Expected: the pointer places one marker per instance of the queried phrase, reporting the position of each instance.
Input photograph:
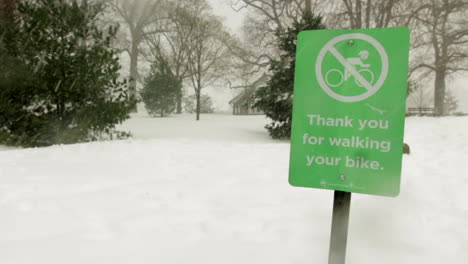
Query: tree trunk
(308, 7)
(358, 15)
(198, 103)
(439, 92)
(179, 104)
(134, 68)
(368, 11)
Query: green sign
(349, 110)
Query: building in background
(243, 103)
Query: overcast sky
(232, 19)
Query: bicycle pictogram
(367, 76)
(335, 77)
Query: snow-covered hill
(216, 191)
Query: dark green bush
(59, 76)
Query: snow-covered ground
(216, 191)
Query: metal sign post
(339, 230)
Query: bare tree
(263, 20)
(370, 13)
(444, 28)
(138, 16)
(207, 58)
(278, 13)
(173, 44)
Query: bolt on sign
(349, 109)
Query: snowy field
(216, 192)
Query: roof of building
(245, 95)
